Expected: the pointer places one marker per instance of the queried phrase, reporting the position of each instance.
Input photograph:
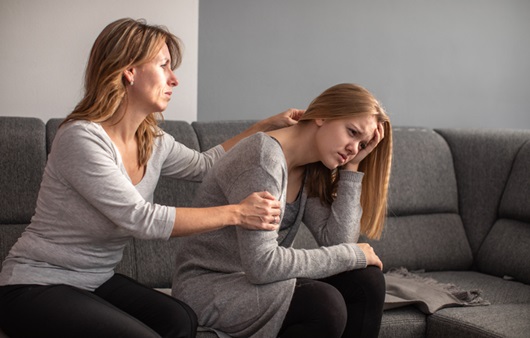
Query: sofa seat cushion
(500, 320)
(495, 290)
(403, 322)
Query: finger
(266, 195)
(271, 227)
(297, 113)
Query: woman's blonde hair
(346, 101)
(123, 44)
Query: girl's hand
(259, 211)
(371, 257)
(379, 134)
(284, 119)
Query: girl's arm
(340, 223)
(263, 261)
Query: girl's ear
(319, 122)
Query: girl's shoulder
(257, 150)
(258, 143)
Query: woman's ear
(319, 122)
(128, 75)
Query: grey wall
(452, 63)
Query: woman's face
(153, 83)
(339, 140)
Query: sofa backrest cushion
(22, 161)
(423, 228)
(483, 161)
(51, 129)
(213, 133)
(515, 203)
(506, 249)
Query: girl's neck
(298, 144)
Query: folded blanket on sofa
(428, 295)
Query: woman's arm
(256, 212)
(83, 161)
(284, 119)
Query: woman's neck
(122, 126)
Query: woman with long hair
(331, 172)
(97, 193)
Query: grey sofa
(459, 210)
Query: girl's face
(339, 140)
(153, 83)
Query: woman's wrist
(235, 214)
(263, 125)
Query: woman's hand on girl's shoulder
(259, 211)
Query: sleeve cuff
(360, 258)
(352, 176)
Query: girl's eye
(362, 145)
(353, 132)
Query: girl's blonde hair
(123, 44)
(346, 101)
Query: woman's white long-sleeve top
(88, 209)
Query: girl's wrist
(351, 166)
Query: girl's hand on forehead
(379, 134)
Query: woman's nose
(173, 81)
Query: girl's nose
(352, 148)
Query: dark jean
(121, 307)
(349, 304)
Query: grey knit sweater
(88, 209)
(241, 282)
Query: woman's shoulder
(79, 134)
(78, 127)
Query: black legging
(349, 304)
(121, 307)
